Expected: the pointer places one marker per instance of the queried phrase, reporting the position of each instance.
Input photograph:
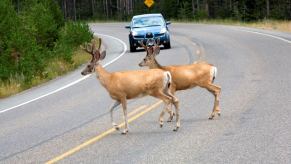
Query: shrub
(33, 37)
(72, 35)
(39, 21)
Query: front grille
(158, 35)
(139, 36)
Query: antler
(158, 42)
(87, 47)
(100, 42)
(141, 43)
(157, 47)
(91, 49)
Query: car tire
(167, 45)
(132, 48)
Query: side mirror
(127, 26)
(168, 23)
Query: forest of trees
(242, 10)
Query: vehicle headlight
(134, 33)
(163, 30)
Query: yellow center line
(136, 110)
(102, 135)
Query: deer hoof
(116, 128)
(219, 114)
(211, 117)
(175, 129)
(124, 132)
(161, 123)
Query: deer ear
(102, 55)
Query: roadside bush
(72, 35)
(75, 33)
(20, 52)
(200, 15)
(185, 11)
(32, 38)
(40, 22)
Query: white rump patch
(213, 73)
(167, 78)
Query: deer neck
(102, 74)
(155, 64)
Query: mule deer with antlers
(185, 77)
(122, 86)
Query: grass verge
(55, 68)
(278, 25)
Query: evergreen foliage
(242, 10)
(32, 35)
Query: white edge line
(74, 82)
(269, 35)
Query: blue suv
(141, 25)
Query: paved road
(255, 127)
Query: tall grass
(284, 26)
(279, 25)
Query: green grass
(55, 68)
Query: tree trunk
(230, 4)
(268, 8)
(106, 6)
(18, 8)
(93, 7)
(65, 9)
(110, 8)
(193, 7)
(198, 5)
(126, 7)
(117, 6)
(206, 7)
(75, 11)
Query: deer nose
(82, 73)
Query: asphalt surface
(255, 126)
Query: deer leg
(124, 106)
(215, 90)
(167, 100)
(172, 114)
(170, 92)
(175, 101)
(166, 108)
(114, 105)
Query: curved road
(72, 124)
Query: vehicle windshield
(147, 22)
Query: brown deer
(185, 77)
(122, 86)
